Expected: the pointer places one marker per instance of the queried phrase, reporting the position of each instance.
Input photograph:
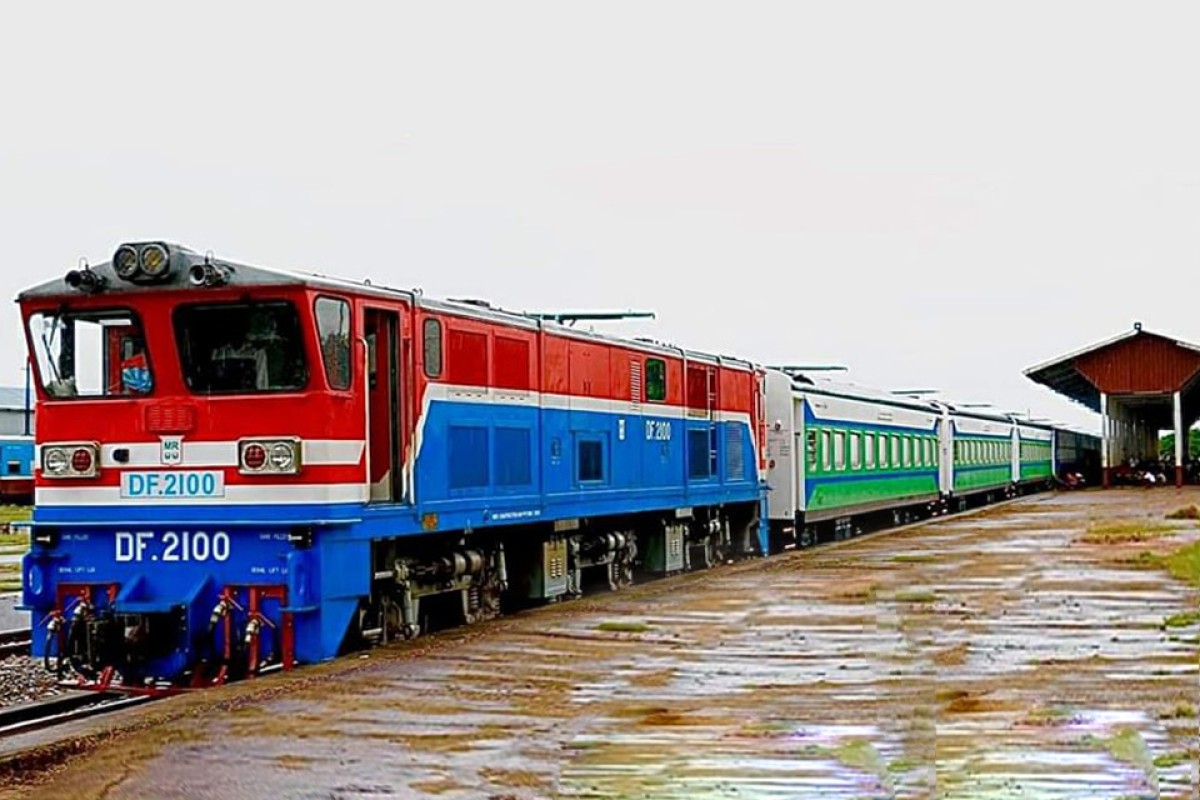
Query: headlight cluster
(142, 262)
(70, 460)
(269, 456)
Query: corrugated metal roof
(1119, 365)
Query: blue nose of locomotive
(159, 605)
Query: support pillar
(1105, 432)
(1180, 442)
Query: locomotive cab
(196, 424)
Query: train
(242, 469)
(16, 463)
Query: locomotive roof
(182, 260)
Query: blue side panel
(472, 462)
(479, 465)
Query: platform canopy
(1140, 382)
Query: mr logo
(172, 450)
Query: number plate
(173, 484)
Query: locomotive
(241, 469)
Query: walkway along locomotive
(240, 468)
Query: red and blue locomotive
(242, 468)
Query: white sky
(936, 194)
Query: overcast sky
(938, 195)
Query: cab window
(333, 329)
(245, 348)
(91, 354)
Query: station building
(1140, 383)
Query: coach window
(839, 450)
(855, 455)
(826, 452)
(811, 447)
(333, 329)
(883, 451)
(906, 450)
(869, 450)
(895, 450)
(433, 348)
(656, 380)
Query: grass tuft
(914, 558)
(15, 514)
(1184, 619)
(1124, 531)
(1187, 512)
(1181, 710)
(1184, 563)
(1171, 760)
(916, 597)
(622, 626)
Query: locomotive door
(382, 330)
(702, 418)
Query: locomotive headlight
(55, 461)
(155, 261)
(283, 457)
(269, 456)
(80, 460)
(125, 262)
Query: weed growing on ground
(1187, 512)
(1184, 563)
(622, 626)
(1183, 619)
(1181, 710)
(1124, 531)
(916, 597)
(1171, 760)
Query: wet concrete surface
(1014, 653)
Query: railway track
(51, 711)
(15, 643)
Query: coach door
(383, 405)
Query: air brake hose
(58, 668)
(77, 629)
